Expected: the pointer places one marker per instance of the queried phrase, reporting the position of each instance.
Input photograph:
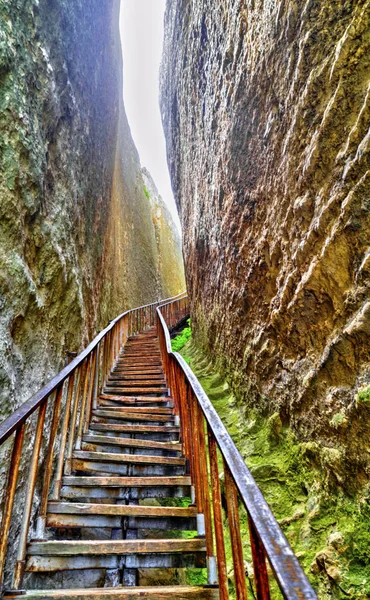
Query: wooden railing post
(11, 486)
(96, 381)
(234, 528)
(84, 401)
(72, 430)
(41, 521)
(197, 473)
(67, 413)
(211, 561)
(217, 517)
(186, 427)
(259, 563)
(30, 489)
(90, 392)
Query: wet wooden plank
(128, 442)
(146, 377)
(128, 458)
(130, 416)
(131, 593)
(69, 508)
(117, 427)
(126, 481)
(135, 390)
(116, 402)
(153, 371)
(98, 547)
(134, 399)
(43, 564)
(146, 410)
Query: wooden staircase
(113, 482)
(122, 492)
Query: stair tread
(95, 547)
(79, 508)
(155, 371)
(134, 593)
(135, 384)
(134, 377)
(132, 399)
(128, 458)
(133, 389)
(127, 442)
(134, 428)
(131, 416)
(146, 410)
(91, 481)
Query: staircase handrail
(267, 538)
(20, 415)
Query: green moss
(338, 419)
(196, 577)
(180, 340)
(146, 192)
(363, 394)
(293, 477)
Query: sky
(141, 26)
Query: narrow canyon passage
(158, 443)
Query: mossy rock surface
(327, 529)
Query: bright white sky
(141, 26)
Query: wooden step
(130, 363)
(146, 346)
(139, 350)
(129, 510)
(137, 370)
(135, 399)
(95, 554)
(116, 402)
(135, 390)
(126, 481)
(136, 384)
(120, 547)
(106, 440)
(120, 593)
(125, 469)
(127, 458)
(140, 410)
(135, 377)
(112, 494)
(119, 414)
(118, 428)
(76, 515)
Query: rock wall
(266, 107)
(77, 240)
(170, 264)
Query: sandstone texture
(78, 242)
(170, 264)
(266, 108)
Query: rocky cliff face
(266, 108)
(170, 264)
(77, 240)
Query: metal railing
(72, 395)
(206, 441)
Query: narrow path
(113, 515)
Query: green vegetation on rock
(146, 192)
(180, 340)
(327, 528)
(363, 394)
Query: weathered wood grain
(119, 593)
